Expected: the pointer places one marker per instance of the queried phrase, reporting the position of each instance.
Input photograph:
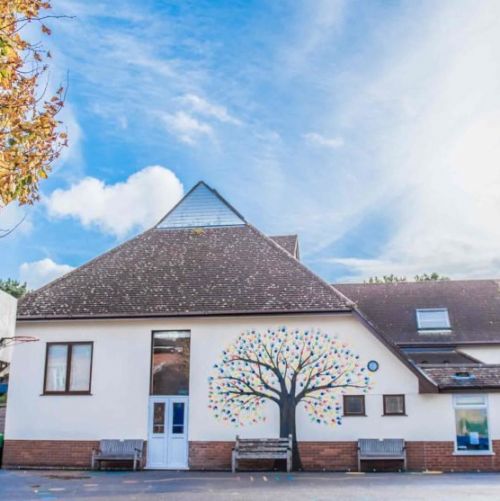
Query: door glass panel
(170, 367)
(178, 418)
(159, 417)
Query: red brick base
(342, 456)
(439, 456)
(40, 453)
(329, 456)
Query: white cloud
(318, 24)
(204, 107)
(433, 115)
(320, 140)
(186, 128)
(119, 208)
(38, 273)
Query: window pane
(170, 365)
(433, 319)
(472, 429)
(81, 356)
(394, 404)
(468, 400)
(159, 417)
(354, 404)
(57, 355)
(178, 417)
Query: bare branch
(6, 232)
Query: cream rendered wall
(486, 354)
(118, 406)
(8, 306)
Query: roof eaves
(124, 316)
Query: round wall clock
(372, 366)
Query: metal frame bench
(262, 448)
(387, 448)
(118, 450)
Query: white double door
(168, 434)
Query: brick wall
(210, 455)
(342, 456)
(217, 456)
(68, 453)
(330, 456)
(439, 456)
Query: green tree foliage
(386, 279)
(430, 277)
(394, 279)
(30, 139)
(13, 287)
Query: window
(159, 417)
(354, 405)
(178, 418)
(471, 420)
(68, 368)
(170, 363)
(433, 319)
(394, 405)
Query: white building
(203, 328)
(7, 328)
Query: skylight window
(433, 319)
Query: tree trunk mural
(295, 369)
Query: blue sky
(369, 128)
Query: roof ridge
(349, 303)
(415, 282)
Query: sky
(371, 129)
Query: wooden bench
(118, 450)
(262, 448)
(387, 448)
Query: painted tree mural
(288, 368)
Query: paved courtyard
(147, 485)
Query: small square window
(433, 319)
(354, 405)
(394, 405)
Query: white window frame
(483, 405)
(446, 326)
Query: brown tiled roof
(289, 242)
(448, 376)
(473, 306)
(174, 272)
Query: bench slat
(387, 448)
(265, 448)
(262, 456)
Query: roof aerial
(201, 207)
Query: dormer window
(433, 319)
